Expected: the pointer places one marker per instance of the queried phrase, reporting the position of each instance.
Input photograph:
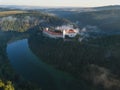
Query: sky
(57, 3)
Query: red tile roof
(53, 33)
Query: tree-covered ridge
(106, 20)
(22, 22)
(96, 61)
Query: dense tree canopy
(22, 22)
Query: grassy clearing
(3, 13)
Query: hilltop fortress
(61, 32)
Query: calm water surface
(31, 68)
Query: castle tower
(47, 29)
(64, 33)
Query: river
(28, 65)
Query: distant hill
(106, 18)
(108, 7)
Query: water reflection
(31, 68)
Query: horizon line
(61, 6)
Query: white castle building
(61, 32)
(70, 33)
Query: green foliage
(7, 86)
(22, 22)
(83, 60)
(1, 84)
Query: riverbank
(44, 75)
(7, 72)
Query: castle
(60, 33)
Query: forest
(22, 21)
(83, 60)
